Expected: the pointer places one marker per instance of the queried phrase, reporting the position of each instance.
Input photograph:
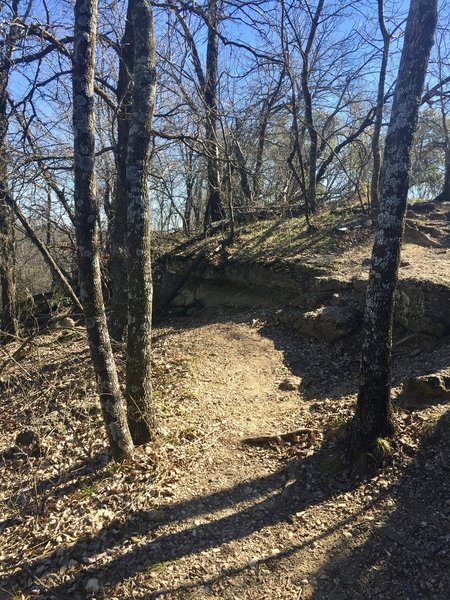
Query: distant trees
(373, 417)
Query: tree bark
(214, 203)
(8, 322)
(263, 124)
(376, 154)
(118, 228)
(309, 118)
(373, 417)
(141, 416)
(86, 209)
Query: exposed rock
(326, 323)
(93, 586)
(421, 306)
(413, 235)
(426, 390)
(423, 207)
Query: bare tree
(7, 278)
(214, 202)
(140, 288)
(373, 417)
(444, 196)
(376, 154)
(87, 234)
(118, 225)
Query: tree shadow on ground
(330, 370)
(407, 557)
(33, 499)
(257, 504)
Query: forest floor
(199, 514)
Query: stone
(63, 322)
(426, 390)
(413, 235)
(326, 323)
(92, 586)
(421, 306)
(288, 385)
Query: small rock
(347, 534)
(92, 586)
(426, 390)
(288, 385)
(156, 515)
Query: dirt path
(201, 516)
(236, 375)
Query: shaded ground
(200, 515)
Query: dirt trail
(234, 376)
(273, 526)
(219, 519)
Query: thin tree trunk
(118, 255)
(444, 196)
(376, 154)
(86, 227)
(264, 121)
(373, 417)
(48, 219)
(55, 270)
(243, 172)
(214, 202)
(8, 322)
(141, 416)
(309, 118)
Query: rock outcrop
(426, 390)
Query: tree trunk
(376, 154)
(243, 172)
(214, 202)
(86, 228)
(141, 416)
(118, 227)
(263, 123)
(373, 417)
(309, 118)
(8, 322)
